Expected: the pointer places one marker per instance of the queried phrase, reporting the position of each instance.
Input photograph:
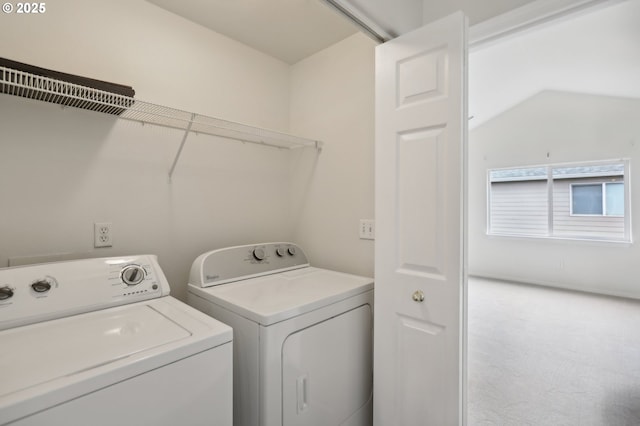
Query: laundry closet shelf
(32, 86)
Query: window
(576, 201)
(614, 196)
(603, 199)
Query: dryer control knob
(6, 293)
(41, 286)
(292, 251)
(258, 254)
(132, 274)
(280, 251)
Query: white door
(421, 122)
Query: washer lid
(274, 298)
(42, 352)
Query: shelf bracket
(184, 140)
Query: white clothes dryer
(101, 342)
(302, 335)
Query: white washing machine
(101, 342)
(302, 335)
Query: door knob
(418, 296)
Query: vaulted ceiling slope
(289, 30)
(595, 52)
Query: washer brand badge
(210, 278)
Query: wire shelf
(23, 84)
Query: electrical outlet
(367, 229)
(102, 234)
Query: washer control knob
(132, 274)
(6, 293)
(41, 286)
(291, 251)
(280, 251)
(258, 254)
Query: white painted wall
(167, 59)
(332, 98)
(63, 170)
(556, 127)
(592, 54)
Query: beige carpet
(539, 356)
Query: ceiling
(289, 30)
(592, 52)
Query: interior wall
(556, 127)
(64, 169)
(593, 56)
(167, 59)
(591, 52)
(332, 98)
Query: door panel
(420, 240)
(327, 372)
(420, 216)
(422, 77)
(416, 337)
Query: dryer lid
(39, 353)
(274, 298)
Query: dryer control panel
(241, 262)
(46, 291)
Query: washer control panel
(242, 262)
(46, 291)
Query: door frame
(530, 15)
